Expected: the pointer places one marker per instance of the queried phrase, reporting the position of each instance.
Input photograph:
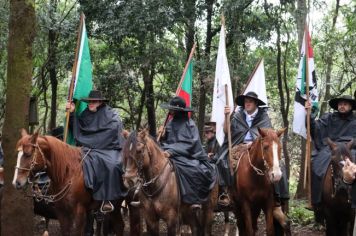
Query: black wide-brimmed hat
(347, 98)
(240, 100)
(95, 95)
(176, 104)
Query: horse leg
(79, 220)
(65, 223)
(172, 226)
(135, 221)
(152, 224)
(117, 222)
(247, 217)
(269, 222)
(226, 223)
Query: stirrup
(221, 202)
(106, 211)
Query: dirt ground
(218, 227)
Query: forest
(138, 50)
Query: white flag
(222, 78)
(300, 96)
(257, 83)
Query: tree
(17, 212)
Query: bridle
(142, 183)
(38, 195)
(34, 160)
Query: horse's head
(136, 157)
(271, 152)
(339, 153)
(30, 159)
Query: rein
(38, 195)
(256, 169)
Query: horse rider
(211, 143)
(98, 131)
(181, 143)
(339, 126)
(244, 129)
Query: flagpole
(179, 86)
(307, 167)
(74, 72)
(227, 116)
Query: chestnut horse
(149, 171)
(256, 169)
(63, 164)
(335, 202)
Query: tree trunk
(17, 211)
(150, 101)
(330, 60)
(301, 191)
(52, 64)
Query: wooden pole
(74, 72)
(179, 86)
(307, 167)
(227, 120)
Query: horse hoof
(135, 204)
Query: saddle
(236, 153)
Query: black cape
(338, 129)
(196, 176)
(99, 133)
(239, 129)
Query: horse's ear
(331, 144)
(350, 144)
(262, 131)
(34, 138)
(281, 131)
(125, 133)
(23, 132)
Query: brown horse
(63, 165)
(256, 169)
(335, 202)
(149, 171)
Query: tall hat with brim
(176, 104)
(95, 95)
(240, 100)
(347, 98)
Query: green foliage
(299, 214)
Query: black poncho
(195, 174)
(99, 133)
(338, 129)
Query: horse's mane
(130, 144)
(64, 157)
(343, 150)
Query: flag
(299, 126)
(83, 79)
(185, 90)
(222, 78)
(257, 82)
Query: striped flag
(222, 80)
(299, 126)
(185, 91)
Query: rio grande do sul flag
(185, 90)
(222, 80)
(299, 124)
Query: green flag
(83, 80)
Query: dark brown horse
(256, 169)
(150, 171)
(63, 165)
(335, 202)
